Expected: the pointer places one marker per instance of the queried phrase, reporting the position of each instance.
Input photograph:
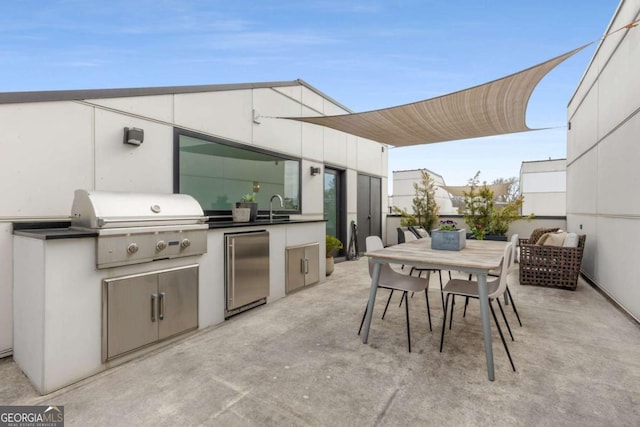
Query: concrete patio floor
(299, 361)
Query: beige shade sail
(494, 108)
(459, 190)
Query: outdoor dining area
(300, 360)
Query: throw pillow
(555, 239)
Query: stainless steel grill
(135, 227)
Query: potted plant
(448, 237)
(249, 201)
(485, 220)
(333, 244)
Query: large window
(218, 173)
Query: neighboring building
(403, 191)
(603, 154)
(543, 183)
(215, 142)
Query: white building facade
(52, 143)
(543, 184)
(403, 191)
(603, 154)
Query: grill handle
(104, 221)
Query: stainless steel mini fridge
(246, 271)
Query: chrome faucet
(271, 205)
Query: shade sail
(459, 190)
(494, 108)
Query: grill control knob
(185, 243)
(132, 248)
(161, 245)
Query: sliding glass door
(334, 205)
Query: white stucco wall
(544, 185)
(602, 162)
(403, 191)
(49, 149)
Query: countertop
(58, 231)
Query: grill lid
(112, 209)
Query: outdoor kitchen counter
(260, 223)
(54, 233)
(69, 233)
(58, 291)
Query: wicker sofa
(552, 266)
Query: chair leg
(402, 298)
(504, 342)
(387, 305)
(363, 316)
(441, 287)
(365, 311)
(466, 303)
(505, 319)
(453, 303)
(513, 305)
(406, 309)
(444, 321)
(426, 295)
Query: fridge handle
(154, 297)
(231, 274)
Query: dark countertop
(260, 223)
(54, 233)
(58, 232)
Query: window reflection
(218, 174)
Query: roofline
(419, 169)
(84, 94)
(540, 161)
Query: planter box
(448, 240)
(494, 237)
(253, 206)
(241, 214)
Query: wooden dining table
(477, 258)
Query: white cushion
(571, 241)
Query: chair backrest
(514, 249)
(409, 236)
(419, 231)
(401, 231)
(373, 243)
(504, 269)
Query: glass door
(334, 203)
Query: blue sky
(364, 54)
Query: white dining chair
(496, 273)
(391, 279)
(409, 236)
(469, 288)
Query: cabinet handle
(161, 304)
(306, 266)
(154, 297)
(302, 266)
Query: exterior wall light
(314, 171)
(133, 136)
